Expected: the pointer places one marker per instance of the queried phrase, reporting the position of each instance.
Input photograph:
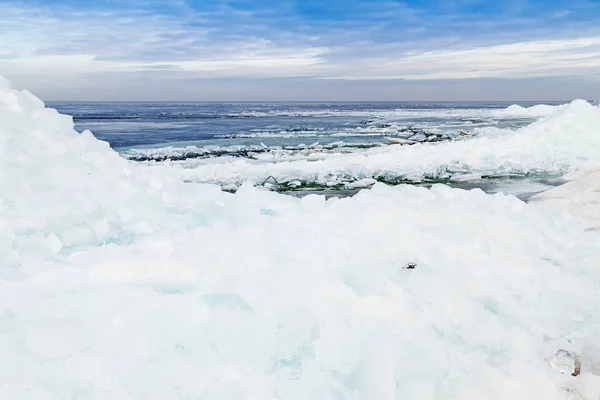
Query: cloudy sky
(302, 49)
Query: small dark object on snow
(577, 366)
(410, 265)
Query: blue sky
(302, 49)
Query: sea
(203, 133)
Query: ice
(119, 281)
(564, 362)
(363, 183)
(58, 338)
(377, 115)
(565, 140)
(262, 152)
(588, 386)
(537, 111)
(42, 159)
(580, 197)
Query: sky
(219, 50)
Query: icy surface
(118, 281)
(580, 196)
(540, 110)
(566, 139)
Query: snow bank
(120, 282)
(567, 139)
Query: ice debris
(566, 139)
(120, 281)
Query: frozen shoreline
(579, 196)
(520, 188)
(121, 281)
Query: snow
(119, 281)
(567, 139)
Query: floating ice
(300, 151)
(363, 183)
(377, 115)
(120, 281)
(567, 139)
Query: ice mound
(537, 111)
(396, 293)
(418, 295)
(262, 151)
(61, 188)
(565, 140)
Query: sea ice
(580, 196)
(537, 111)
(566, 139)
(120, 281)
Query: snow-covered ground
(120, 281)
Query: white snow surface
(566, 139)
(119, 281)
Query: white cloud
(68, 45)
(515, 60)
(561, 14)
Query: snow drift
(119, 281)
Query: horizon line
(316, 101)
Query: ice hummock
(537, 111)
(66, 189)
(120, 281)
(566, 139)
